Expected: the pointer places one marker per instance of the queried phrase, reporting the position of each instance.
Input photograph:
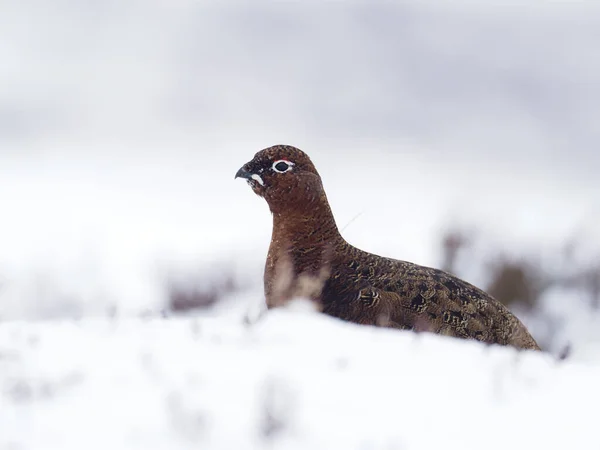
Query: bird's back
(370, 289)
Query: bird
(309, 258)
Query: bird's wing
(432, 301)
(398, 294)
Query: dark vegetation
(521, 279)
(201, 289)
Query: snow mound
(292, 380)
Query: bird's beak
(253, 178)
(243, 173)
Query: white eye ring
(285, 161)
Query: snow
(292, 380)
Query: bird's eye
(282, 166)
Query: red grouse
(308, 257)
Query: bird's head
(285, 177)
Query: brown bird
(308, 257)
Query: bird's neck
(304, 229)
(303, 246)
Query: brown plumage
(308, 257)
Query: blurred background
(460, 135)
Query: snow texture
(292, 380)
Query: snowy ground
(293, 380)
